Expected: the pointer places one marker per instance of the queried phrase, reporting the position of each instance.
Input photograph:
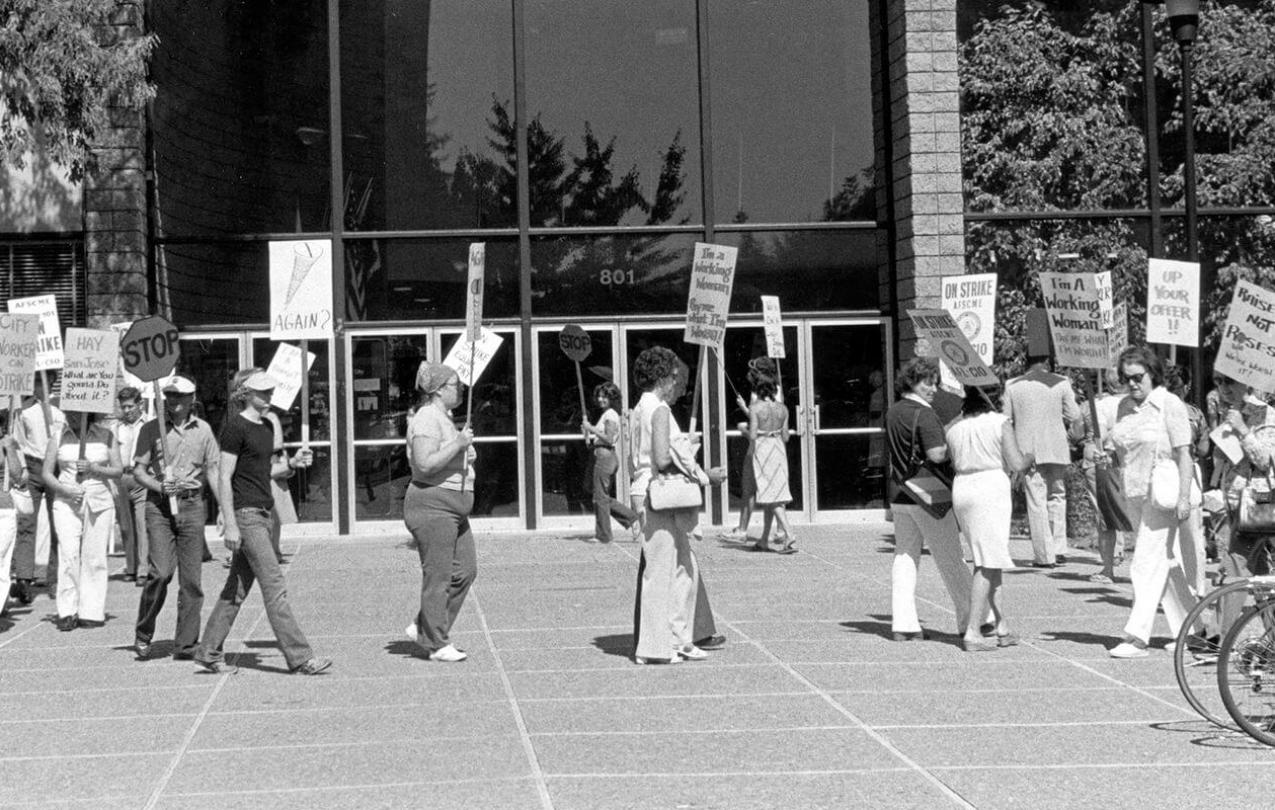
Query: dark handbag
(1113, 506)
(925, 486)
(1256, 511)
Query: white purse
(1165, 486)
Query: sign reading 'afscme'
(939, 328)
(48, 352)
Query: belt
(190, 495)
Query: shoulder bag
(681, 486)
(1255, 513)
(924, 486)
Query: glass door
(312, 488)
(497, 437)
(564, 462)
(634, 340)
(379, 398)
(845, 380)
(744, 342)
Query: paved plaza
(809, 705)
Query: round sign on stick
(150, 348)
(575, 342)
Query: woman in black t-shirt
(911, 423)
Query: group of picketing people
(1163, 455)
(74, 481)
(122, 478)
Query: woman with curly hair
(665, 631)
(604, 438)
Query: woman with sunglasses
(436, 510)
(1153, 425)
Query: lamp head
(1184, 19)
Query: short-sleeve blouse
(456, 474)
(975, 443)
(1147, 433)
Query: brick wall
(924, 109)
(115, 206)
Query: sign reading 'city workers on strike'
(48, 352)
(1173, 302)
(1075, 319)
(301, 289)
(18, 337)
(939, 328)
(469, 360)
(712, 277)
(1247, 351)
(285, 369)
(88, 375)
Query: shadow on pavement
(620, 644)
(1093, 639)
(879, 627)
(405, 648)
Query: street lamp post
(1184, 21)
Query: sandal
(1101, 579)
(789, 547)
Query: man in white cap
(247, 453)
(175, 473)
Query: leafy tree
(62, 69)
(1052, 121)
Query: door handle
(799, 425)
(817, 409)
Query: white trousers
(1157, 572)
(82, 574)
(914, 528)
(8, 536)
(1046, 490)
(43, 536)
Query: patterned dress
(770, 455)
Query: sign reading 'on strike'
(951, 346)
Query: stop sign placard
(575, 342)
(150, 348)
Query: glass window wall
(241, 117)
(644, 274)
(427, 114)
(620, 146)
(792, 110)
(424, 279)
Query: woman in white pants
(13, 494)
(1157, 428)
(913, 431)
(76, 472)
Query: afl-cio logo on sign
(150, 348)
(953, 353)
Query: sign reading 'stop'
(150, 348)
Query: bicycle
(1198, 646)
(1246, 664)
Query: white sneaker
(1170, 647)
(691, 653)
(411, 632)
(1127, 649)
(448, 654)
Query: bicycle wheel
(1246, 672)
(1196, 652)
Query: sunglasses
(1133, 378)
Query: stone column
(924, 152)
(115, 230)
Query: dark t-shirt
(899, 437)
(253, 443)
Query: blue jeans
(604, 503)
(176, 544)
(255, 560)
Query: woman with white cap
(247, 458)
(436, 509)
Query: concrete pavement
(809, 705)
